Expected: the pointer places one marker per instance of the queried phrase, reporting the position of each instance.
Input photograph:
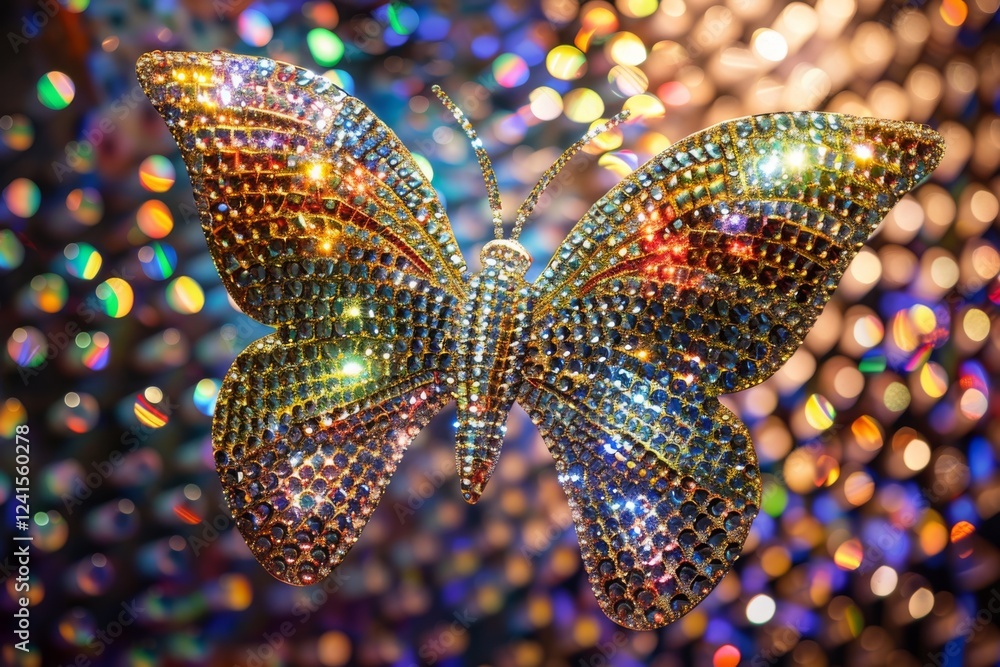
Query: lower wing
(305, 445)
(662, 490)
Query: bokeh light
(11, 250)
(254, 28)
(583, 105)
(154, 219)
(22, 197)
(17, 132)
(85, 205)
(151, 408)
(82, 260)
(56, 90)
(185, 295)
(566, 62)
(48, 292)
(27, 347)
(158, 260)
(156, 173)
(510, 70)
(115, 297)
(326, 48)
(205, 394)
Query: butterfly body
(696, 276)
(492, 333)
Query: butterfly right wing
(322, 226)
(698, 275)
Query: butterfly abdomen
(492, 329)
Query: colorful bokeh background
(877, 540)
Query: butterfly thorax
(490, 354)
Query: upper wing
(322, 226)
(697, 275)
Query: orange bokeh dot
(961, 529)
(726, 656)
(954, 12)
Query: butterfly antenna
(492, 191)
(529, 204)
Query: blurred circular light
(921, 603)
(884, 581)
(859, 488)
(27, 347)
(566, 62)
(674, 93)
(923, 318)
(954, 12)
(326, 48)
(158, 260)
(867, 433)
(12, 414)
(621, 163)
(933, 380)
(77, 413)
(849, 555)
(819, 412)
(973, 403)
(82, 260)
(598, 18)
(22, 197)
(48, 292)
(11, 250)
(17, 132)
(868, 331)
(206, 392)
(154, 219)
(916, 455)
(185, 295)
(115, 296)
(583, 105)
(341, 79)
(638, 9)
(156, 173)
(510, 70)
(626, 48)
(151, 409)
(254, 28)
(56, 90)
(95, 349)
(976, 325)
(424, 165)
(961, 530)
(608, 140)
(545, 103)
(760, 609)
(626, 80)
(726, 656)
(896, 397)
(944, 272)
(769, 45)
(85, 205)
(403, 19)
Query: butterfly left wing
(322, 226)
(699, 274)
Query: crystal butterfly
(696, 276)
